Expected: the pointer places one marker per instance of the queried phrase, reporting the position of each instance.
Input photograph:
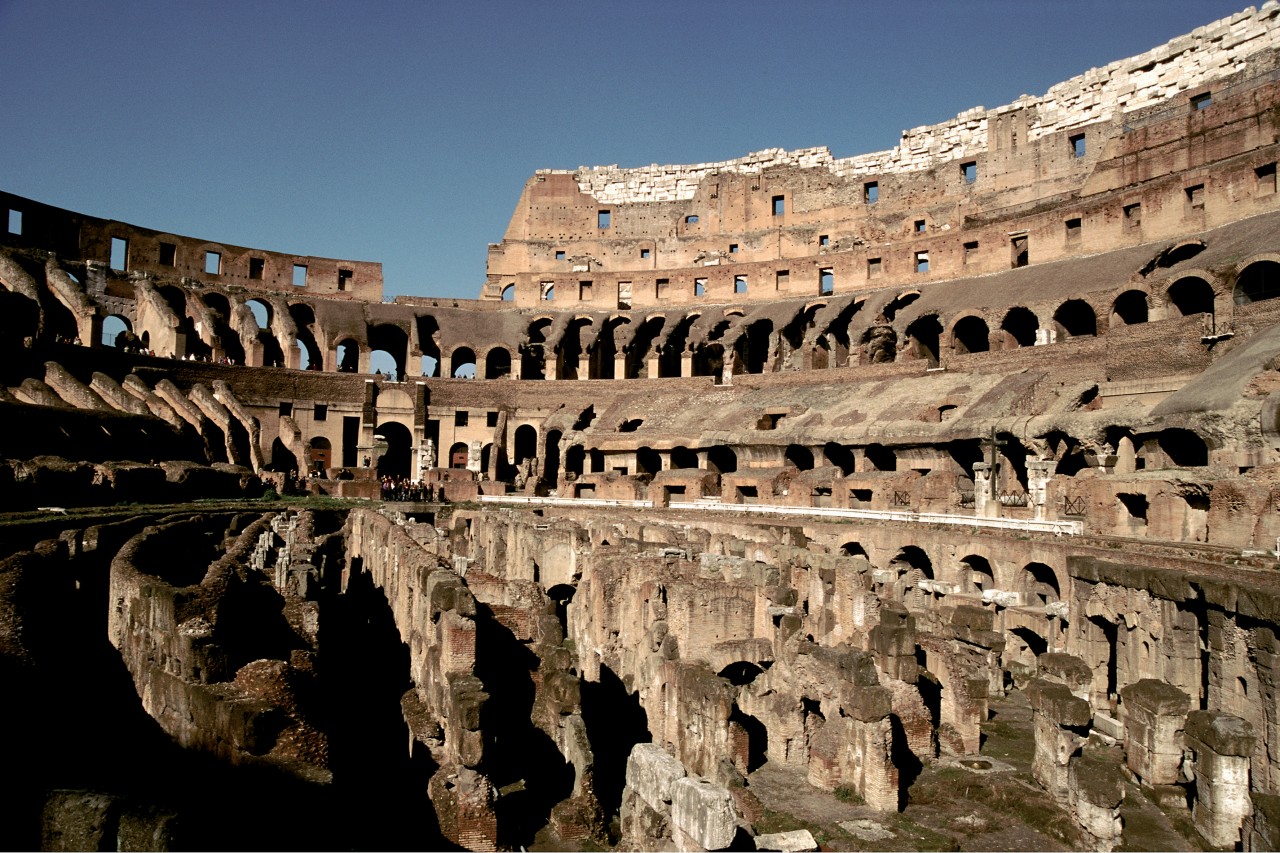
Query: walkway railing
(1068, 528)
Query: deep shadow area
(615, 723)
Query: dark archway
(1130, 308)
(926, 332)
(971, 335)
(648, 461)
(1258, 282)
(1075, 318)
(395, 462)
(1191, 295)
(1020, 326)
(881, 458)
(462, 363)
(799, 456)
(497, 363)
(526, 443)
(683, 457)
(721, 459)
(840, 456)
(1184, 448)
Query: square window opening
(660, 288)
(257, 266)
(782, 279)
(461, 419)
(119, 253)
(286, 410)
(691, 219)
(871, 192)
(733, 248)
(970, 250)
(1195, 197)
(168, 254)
(919, 226)
(1078, 145)
(584, 290)
(824, 240)
(969, 171)
(624, 294)
(1073, 228)
(603, 218)
(644, 253)
(15, 221)
(1201, 102)
(299, 275)
(213, 263)
(779, 205)
(559, 254)
(321, 412)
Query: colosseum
(922, 499)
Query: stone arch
(533, 352)
(509, 293)
(841, 456)
(1191, 294)
(683, 458)
(1075, 318)
(304, 319)
(1038, 584)
(976, 574)
(264, 316)
(1257, 282)
(525, 443)
(399, 439)
(672, 350)
(429, 344)
(799, 456)
(970, 334)
(458, 454)
(569, 348)
(574, 458)
(113, 326)
(462, 363)
(926, 334)
(1183, 447)
(346, 354)
(392, 340)
(642, 342)
(282, 458)
(752, 349)
(881, 458)
(648, 461)
(225, 338)
(853, 549)
(721, 459)
(1020, 326)
(497, 363)
(1130, 308)
(551, 459)
(321, 453)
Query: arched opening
(605, 351)
(799, 457)
(429, 345)
(462, 362)
(1040, 584)
(497, 363)
(637, 351)
(925, 334)
(1191, 295)
(551, 468)
(309, 354)
(1184, 448)
(1130, 308)
(853, 549)
(224, 337)
(574, 458)
(188, 341)
(321, 454)
(753, 747)
(683, 457)
(112, 327)
(971, 335)
(348, 356)
(672, 350)
(597, 460)
(976, 575)
(648, 461)
(881, 458)
(525, 445)
(272, 353)
(570, 348)
(393, 342)
(1020, 326)
(509, 293)
(1257, 282)
(840, 456)
(721, 459)
(1027, 645)
(533, 360)
(1074, 319)
(752, 348)
(458, 454)
(395, 462)
(708, 360)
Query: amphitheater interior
(922, 499)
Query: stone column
(1097, 790)
(983, 505)
(1155, 713)
(856, 748)
(1222, 745)
(620, 366)
(1057, 716)
(584, 366)
(1038, 473)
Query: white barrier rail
(1069, 528)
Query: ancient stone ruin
(928, 497)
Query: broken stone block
(1066, 669)
(1222, 745)
(651, 772)
(702, 814)
(1059, 720)
(795, 841)
(1154, 715)
(1096, 791)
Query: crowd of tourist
(404, 489)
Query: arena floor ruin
(924, 499)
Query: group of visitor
(404, 489)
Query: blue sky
(403, 132)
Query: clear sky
(403, 132)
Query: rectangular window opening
(871, 192)
(603, 218)
(660, 288)
(779, 205)
(733, 248)
(168, 254)
(548, 290)
(286, 410)
(344, 279)
(491, 419)
(782, 280)
(1073, 228)
(321, 412)
(826, 282)
(1018, 247)
(969, 171)
(461, 418)
(970, 250)
(299, 275)
(691, 219)
(739, 284)
(119, 253)
(559, 254)
(256, 268)
(699, 287)
(15, 221)
(1077, 143)
(1133, 216)
(824, 240)
(584, 290)
(922, 261)
(213, 263)
(873, 267)
(1195, 197)
(1266, 178)
(644, 253)
(624, 294)
(919, 226)
(1201, 102)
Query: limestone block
(1096, 792)
(651, 772)
(1066, 669)
(79, 820)
(1222, 745)
(795, 841)
(1154, 715)
(703, 813)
